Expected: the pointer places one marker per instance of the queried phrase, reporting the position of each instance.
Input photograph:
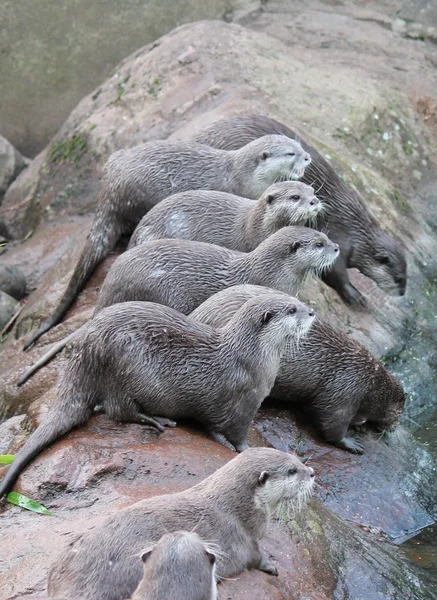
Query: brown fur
(228, 220)
(179, 567)
(363, 244)
(231, 508)
(147, 363)
(134, 180)
(330, 375)
(183, 274)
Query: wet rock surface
(373, 114)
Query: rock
(8, 306)
(54, 54)
(103, 467)
(366, 115)
(12, 281)
(11, 165)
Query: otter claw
(267, 567)
(350, 445)
(241, 447)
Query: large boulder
(366, 114)
(53, 53)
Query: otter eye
(267, 316)
(294, 247)
(292, 471)
(383, 260)
(292, 310)
(319, 244)
(291, 153)
(295, 197)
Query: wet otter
(182, 274)
(140, 359)
(232, 508)
(180, 566)
(134, 180)
(228, 220)
(331, 376)
(362, 242)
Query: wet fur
(231, 508)
(179, 566)
(135, 180)
(145, 361)
(183, 274)
(347, 221)
(331, 376)
(228, 220)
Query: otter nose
(336, 248)
(307, 157)
(311, 313)
(314, 201)
(312, 474)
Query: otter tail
(64, 417)
(101, 240)
(47, 357)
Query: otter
(134, 180)
(363, 244)
(180, 566)
(331, 376)
(228, 220)
(232, 508)
(182, 274)
(147, 363)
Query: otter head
(183, 551)
(286, 481)
(384, 262)
(277, 158)
(277, 318)
(388, 403)
(289, 203)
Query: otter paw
(165, 422)
(242, 446)
(267, 567)
(350, 445)
(353, 297)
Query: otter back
(362, 242)
(330, 375)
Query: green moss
(71, 148)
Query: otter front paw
(350, 445)
(353, 297)
(267, 567)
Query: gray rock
(11, 165)
(8, 306)
(12, 281)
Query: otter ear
(269, 198)
(267, 316)
(294, 247)
(263, 478)
(211, 557)
(383, 259)
(146, 555)
(265, 154)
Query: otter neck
(265, 266)
(224, 491)
(257, 228)
(246, 179)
